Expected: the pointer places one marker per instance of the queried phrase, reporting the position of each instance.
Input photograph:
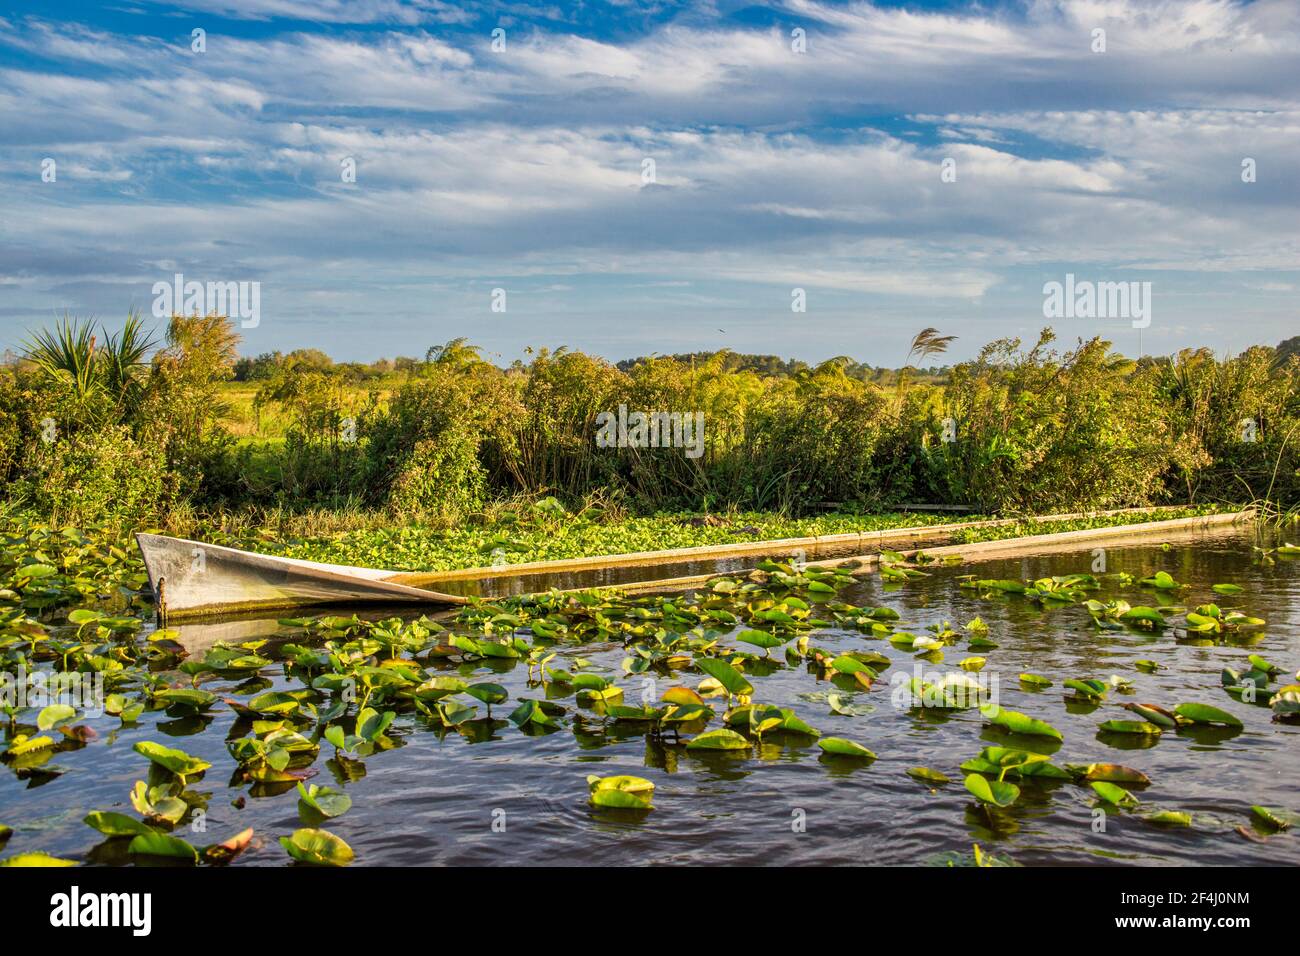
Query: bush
(1038, 432)
(97, 475)
(10, 432)
(440, 478)
(423, 451)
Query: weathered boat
(194, 579)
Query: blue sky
(523, 168)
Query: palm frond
(123, 357)
(66, 351)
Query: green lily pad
(55, 715)
(721, 739)
(731, 679)
(1108, 773)
(997, 793)
(316, 802)
(177, 761)
(1172, 818)
(1131, 727)
(1205, 714)
(841, 747)
(1116, 796)
(317, 848)
(154, 843)
(926, 775)
(36, 859)
(488, 693)
(1018, 723)
(621, 792)
(116, 824)
(1276, 817)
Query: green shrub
(97, 475)
(424, 451)
(440, 478)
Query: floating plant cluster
(335, 688)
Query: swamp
(1133, 703)
(1125, 697)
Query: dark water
(435, 799)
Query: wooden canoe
(194, 579)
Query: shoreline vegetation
(451, 460)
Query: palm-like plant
(457, 354)
(121, 358)
(67, 352)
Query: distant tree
(457, 354)
(1288, 348)
(772, 366)
(258, 369)
(311, 358)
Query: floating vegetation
(997, 793)
(751, 669)
(927, 775)
(621, 793)
(1114, 795)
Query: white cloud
(477, 167)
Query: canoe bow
(195, 579)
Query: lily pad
(842, 747)
(997, 793)
(926, 775)
(36, 859)
(177, 761)
(1018, 723)
(731, 679)
(154, 843)
(1116, 796)
(621, 792)
(1276, 817)
(1131, 727)
(317, 848)
(721, 739)
(316, 802)
(115, 824)
(1205, 714)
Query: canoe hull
(194, 579)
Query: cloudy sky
(794, 144)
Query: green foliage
(96, 475)
(439, 440)
(1040, 433)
